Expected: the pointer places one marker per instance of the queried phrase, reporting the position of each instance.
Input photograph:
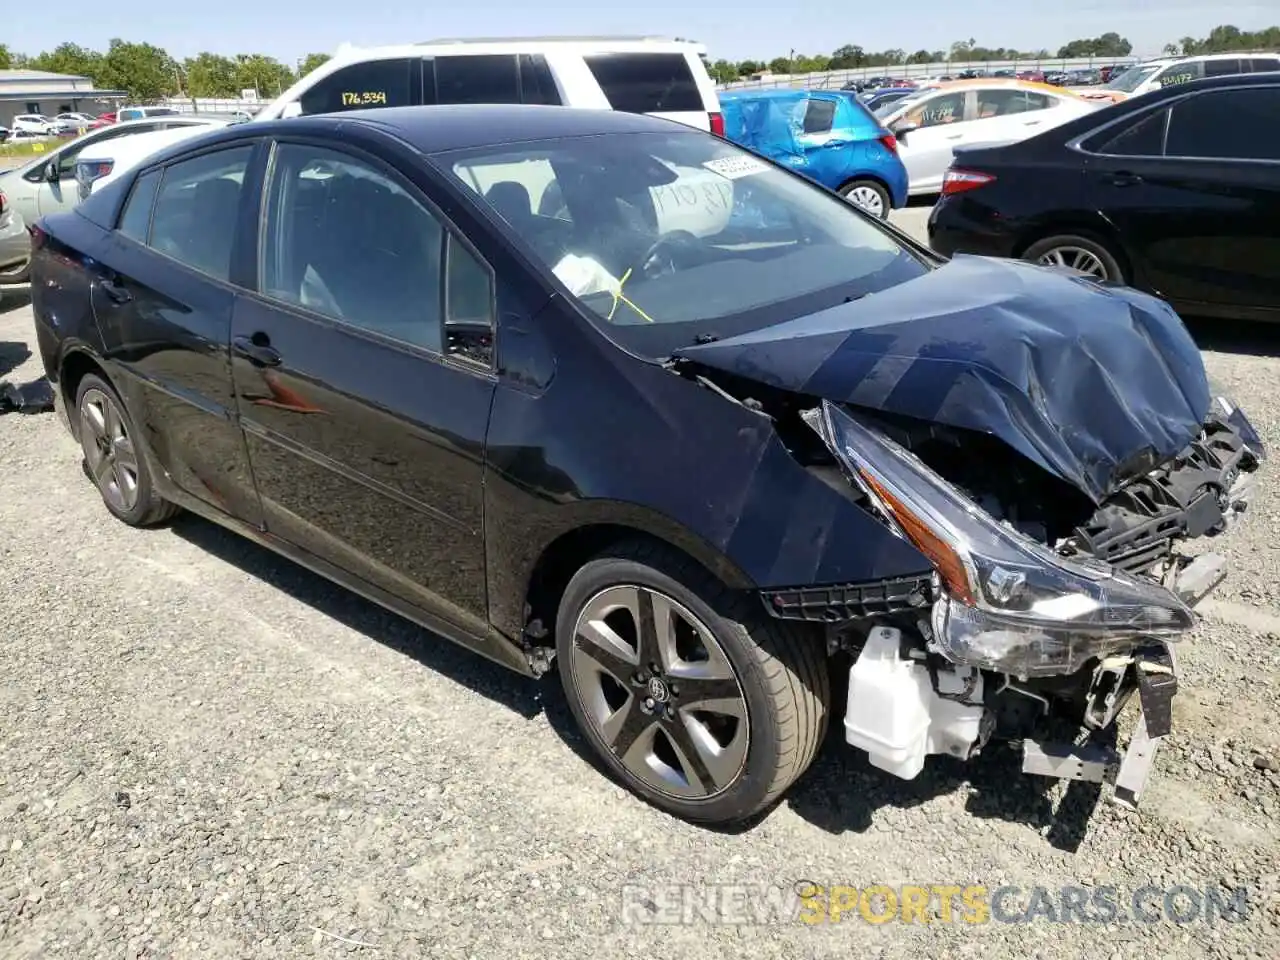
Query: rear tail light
(960, 181)
(717, 123)
(890, 142)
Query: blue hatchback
(827, 135)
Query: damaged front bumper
(1014, 635)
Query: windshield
(673, 237)
(1131, 79)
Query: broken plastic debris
(33, 397)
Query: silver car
(15, 244)
(47, 183)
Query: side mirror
(51, 171)
(900, 130)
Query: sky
(744, 29)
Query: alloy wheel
(660, 692)
(108, 450)
(868, 198)
(1075, 258)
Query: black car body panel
(442, 509)
(1095, 385)
(1199, 232)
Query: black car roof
(437, 129)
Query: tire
(764, 687)
(874, 198)
(112, 460)
(15, 274)
(1077, 248)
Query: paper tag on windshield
(731, 168)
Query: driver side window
(347, 241)
(947, 108)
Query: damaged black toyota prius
(601, 393)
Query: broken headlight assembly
(1009, 603)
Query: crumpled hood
(1094, 384)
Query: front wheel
(690, 693)
(868, 195)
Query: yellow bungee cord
(619, 298)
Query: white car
(46, 183)
(666, 78)
(33, 123)
(100, 163)
(144, 113)
(931, 125)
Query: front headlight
(1011, 604)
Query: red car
(104, 119)
(1035, 76)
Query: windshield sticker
(731, 168)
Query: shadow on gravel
(14, 299)
(842, 792)
(1235, 336)
(12, 355)
(488, 679)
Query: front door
(927, 152)
(363, 387)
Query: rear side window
(1226, 124)
(372, 83)
(646, 82)
(196, 210)
(1222, 68)
(135, 218)
(1142, 138)
(819, 116)
(487, 78)
(1265, 64)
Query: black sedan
(600, 390)
(1176, 192)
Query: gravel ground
(208, 752)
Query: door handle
(115, 293)
(1123, 178)
(956, 136)
(257, 349)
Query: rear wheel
(1086, 255)
(868, 195)
(690, 693)
(112, 459)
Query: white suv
(1154, 74)
(666, 78)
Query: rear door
(1194, 189)
(363, 374)
(164, 310)
(665, 84)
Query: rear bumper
(956, 226)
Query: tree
(310, 62)
(779, 65)
(265, 74)
(142, 71)
(211, 75)
(962, 50)
(70, 59)
(722, 71)
(1170, 50)
(1226, 39)
(6, 58)
(1110, 44)
(747, 67)
(849, 56)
